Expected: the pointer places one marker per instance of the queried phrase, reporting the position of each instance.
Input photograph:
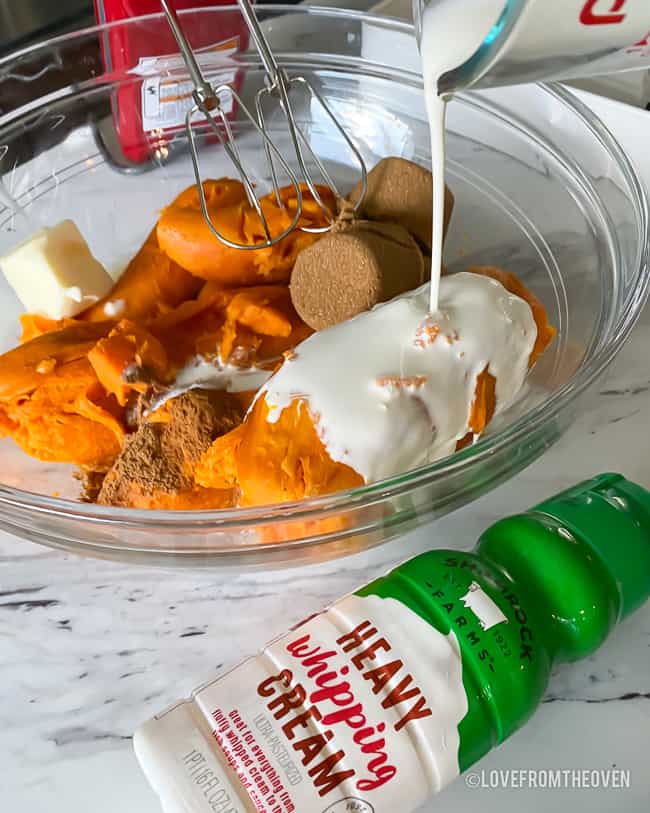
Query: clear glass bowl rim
(242, 519)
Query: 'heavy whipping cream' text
(362, 702)
(329, 699)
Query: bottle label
(356, 710)
(165, 102)
(165, 98)
(477, 601)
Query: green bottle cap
(611, 515)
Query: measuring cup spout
(547, 40)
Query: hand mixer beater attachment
(208, 101)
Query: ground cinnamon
(160, 457)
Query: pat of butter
(54, 273)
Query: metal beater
(278, 85)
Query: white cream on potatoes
(393, 388)
(216, 375)
(114, 308)
(201, 374)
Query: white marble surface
(89, 649)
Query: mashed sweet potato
(286, 460)
(66, 389)
(69, 392)
(185, 237)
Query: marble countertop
(89, 649)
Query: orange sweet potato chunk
(246, 325)
(484, 404)
(187, 239)
(128, 345)
(218, 467)
(33, 325)
(483, 408)
(22, 369)
(52, 403)
(151, 284)
(67, 417)
(274, 462)
(218, 193)
(261, 321)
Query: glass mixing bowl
(541, 188)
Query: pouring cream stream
(452, 31)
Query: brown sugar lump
(352, 269)
(402, 192)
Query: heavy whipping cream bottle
(379, 702)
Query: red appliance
(150, 103)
